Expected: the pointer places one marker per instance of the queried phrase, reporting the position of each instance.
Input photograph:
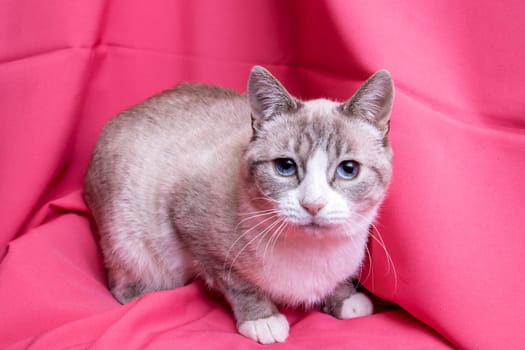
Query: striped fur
(186, 185)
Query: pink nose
(313, 208)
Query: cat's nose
(313, 207)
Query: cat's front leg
(257, 317)
(345, 302)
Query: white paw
(356, 305)
(266, 330)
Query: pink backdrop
(453, 222)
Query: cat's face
(319, 166)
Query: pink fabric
(453, 222)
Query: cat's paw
(266, 330)
(356, 305)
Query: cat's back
(181, 112)
(172, 135)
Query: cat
(268, 199)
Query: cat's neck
(298, 268)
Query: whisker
(246, 233)
(379, 240)
(265, 195)
(268, 199)
(389, 260)
(370, 273)
(256, 216)
(382, 244)
(356, 247)
(269, 229)
(257, 236)
(280, 233)
(274, 237)
(255, 212)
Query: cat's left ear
(373, 101)
(267, 96)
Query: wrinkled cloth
(448, 244)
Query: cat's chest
(304, 275)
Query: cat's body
(268, 210)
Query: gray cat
(272, 210)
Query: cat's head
(318, 166)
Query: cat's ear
(373, 101)
(267, 96)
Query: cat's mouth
(313, 228)
(317, 228)
(320, 222)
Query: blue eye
(285, 166)
(348, 169)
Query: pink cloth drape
(453, 223)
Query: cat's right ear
(267, 96)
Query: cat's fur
(185, 184)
